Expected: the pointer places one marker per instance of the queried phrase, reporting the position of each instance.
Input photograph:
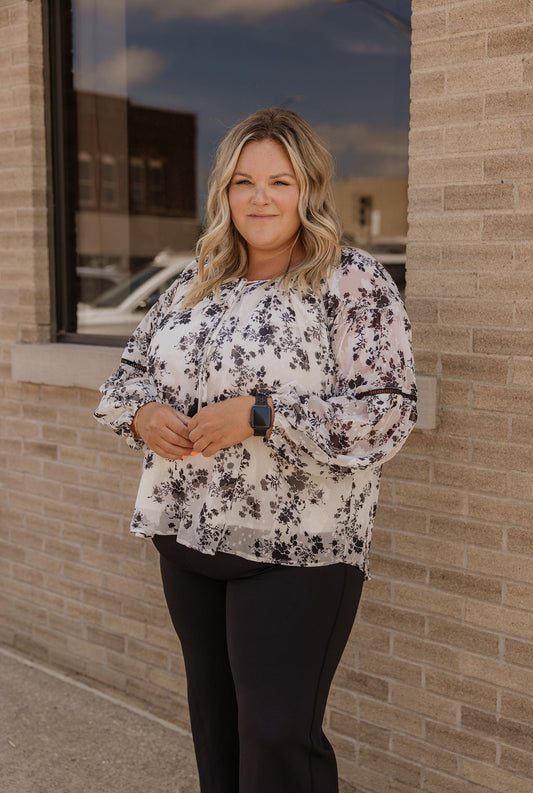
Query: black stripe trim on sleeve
(388, 390)
(135, 365)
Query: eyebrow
(274, 176)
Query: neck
(270, 265)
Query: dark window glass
(142, 94)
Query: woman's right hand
(164, 430)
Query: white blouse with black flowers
(339, 368)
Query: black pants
(261, 643)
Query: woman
(267, 387)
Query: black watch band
(261, 415)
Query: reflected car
(118, 311)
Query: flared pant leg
(260, 651)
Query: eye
(280, 181)
(242, 181)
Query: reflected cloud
(123, 70)
(365, 47)
(366, 149)
(206, 9)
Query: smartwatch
(261, 415)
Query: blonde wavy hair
(222, 251)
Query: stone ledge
(87, 366)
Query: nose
(260, 195)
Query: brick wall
(438, 685)
(432, 694)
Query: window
(156, 185)
(137, 185)
(109, 182)
(86, 191)
(143, 92)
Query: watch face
(261, 416)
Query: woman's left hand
(221, 424)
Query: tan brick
(425, 600)
(516, 761)
(441, 499)
(503, 456)
(389, 765)
(439, 228)
(385, 715)
(427, 84)
(389, 667)
(482, 137)
(498, 780)
(484, 76)
(445, 170)
(520, 486)
(461, 690)
(362, 731)
(479, 368)
(521, 427)
(475, 313)
(499, 674)
(478, 480)
(361, 683)
(396, 618)
(425, 142)
(427, 652)
(439, 446)
(526, 129)
(422, 702)
(519, 596)
(428, 25)
(508, 227)
(422, 310)
(518, 652)
(481, 196)
(510, 41)
(503, 342)
(484, 14)
(451, 50)
(466, 584)
(427, 549)
(509, 104)
(468, 531)
(425, 753)
(510, 566)
(422, 256)
(524, 314)
(517, 707)
(425, 199)
(460, 742)
(523, 371)
(525, 196)
(498, 398)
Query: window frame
(63, 159)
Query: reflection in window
(109, 182)
(155, 184)
(86, 189)
(137, 184)
(146, 124)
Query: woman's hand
(164, 430)
(221, 424)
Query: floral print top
(339, 368)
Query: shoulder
(360, 279)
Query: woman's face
(263, 198)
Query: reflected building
(136, 186)
(373, 210)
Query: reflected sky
(340, 65)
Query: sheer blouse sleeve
(131, 386)
(373, 410)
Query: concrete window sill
(87, 366)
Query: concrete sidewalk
(58, 735)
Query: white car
(118, 311)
